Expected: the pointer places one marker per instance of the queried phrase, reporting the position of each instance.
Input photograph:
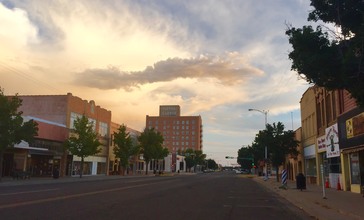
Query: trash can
(301, 181)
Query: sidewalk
(337, 205)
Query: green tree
(83, 141)
(13, 129)
(193, 158)
(279, 142)
(199, 157)
(246, 157)
(328, 58)
(151, 145)
(124, 147)
(211, 164)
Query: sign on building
(332, 141)
(321, 144)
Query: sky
(214, 58)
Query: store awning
(33, 150)
(353, 149)
(41, 152)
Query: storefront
(332, 161)
(92, 165)
(351, 131)
(310, 163)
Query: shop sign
(321, 144)
(332, 141)
(354, 126)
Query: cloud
(16, 31)
(226, 71)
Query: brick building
(55, 115)
(179, 132)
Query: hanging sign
(332, 141)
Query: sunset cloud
(225, 71)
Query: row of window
(179, 138)
(103, 127)
(174, 127)
(174, 122)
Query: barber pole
(284, 178)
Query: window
(328, 108)
(73, 118)
(103, 129)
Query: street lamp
(265, 112)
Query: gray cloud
(226, 72)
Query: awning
(353, 149)
(33, 150)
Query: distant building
(179, 132)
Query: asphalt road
(220, 196)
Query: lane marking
(26, 192)
(73, 196)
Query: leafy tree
(199, 157)
(124, 147)
(328, 58)
(83, 141)
(193, 158)
(211, 164)
(151, 146)
(13, 129)
(279, 142)
(246, 157)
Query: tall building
(179, 132)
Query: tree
(83, 141)
(279, 142)
(331, 59)
(246, 157)
(13, 129)
(193, 158)
(211, 164)
(124, 147)
(151, 146)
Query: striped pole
(284, 178)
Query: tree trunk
(81, 167)
(146, 168)
(1, 164)
(277, 174)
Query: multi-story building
(351, 139)
(309, 134)
(58, 112)
(179, 132)
(336, 159)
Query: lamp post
(265, 112)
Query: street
(220, 195)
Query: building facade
(309, 134)
(60, 112)
(351, 139)
(179, 132)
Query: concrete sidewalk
(337, 205)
